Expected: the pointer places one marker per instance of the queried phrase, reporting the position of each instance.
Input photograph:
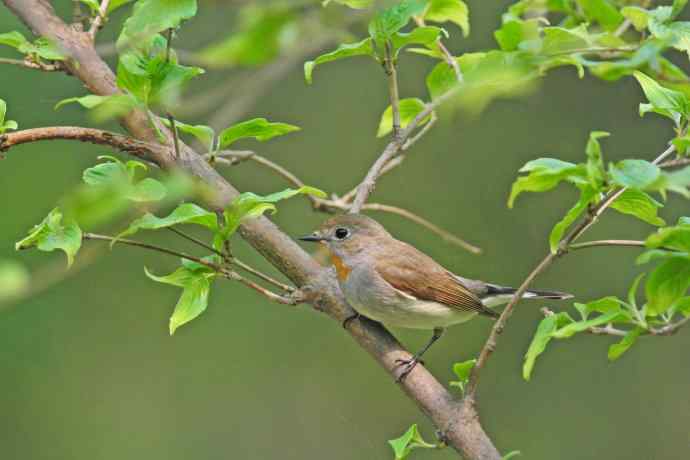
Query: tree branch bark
(458, 421)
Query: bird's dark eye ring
(341, 233)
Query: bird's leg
(409, 364)
(347, 320)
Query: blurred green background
(88, 370)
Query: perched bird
(392, 282)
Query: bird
(392, 282)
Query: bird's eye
(341, 233)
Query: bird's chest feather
(341, 270)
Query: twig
(447, 236)
(29, 64)
(95, 136)
(195, 240)
(447, 56)
(293, 299)
(675, 163)
(589, 220)
(393, 88)
(175, 136)
(99, 20)
(367, 185)
(591, 244)
(625, 25)
(670, 329)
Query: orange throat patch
(342, 270)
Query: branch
(591, 244)
(457, 420)
(29, 64)
(94, 136)
(99, 19)
(589, 220)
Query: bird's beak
(314, 237)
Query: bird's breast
(341, 270)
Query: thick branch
(458, 421)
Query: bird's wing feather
(416, 274)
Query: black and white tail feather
(496, 295)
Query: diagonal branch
(589, 220)
(458, 421)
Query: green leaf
(354, 4)
(52, 234)
(93, 6)
(617, 349)
(586, 197)
(511, 454)
(104, 107)
(115, 4)
(595, 162)
(667, 284)
(559, 40)
(604, 305)
(152, 16)
(661, 99)
(391, 20)
(545, 174)
(462, 371)
(677, 237)
(205, 134)
(249, 205)
(186, 213)
(454, 11)
(259, 37)
(196, 285)
(14, 280)
(5, 125)
(515, 35)
(602, 11)
(403, 445)
(675, 181)
(639, 17)
(409, 109)
(40, 48)
(258, 128)
(360, 48)
(426, 36)
(581, 326)
(640, 205)
(541, 339)
(638, 174)
(16, 40)
(147, 190)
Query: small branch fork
(565, 244)
(99, 20)
(293, 296)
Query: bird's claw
(407, 365)
(348, 319)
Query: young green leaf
(40, 48)
(6, 125)
(52, 234)
(403, 445)
(663, 100)
(354, 4)
(559, 40)
(638, 174)
(196, 286)
(249, 205)
(389, 21)
(14, 279)
(640, 205)
(617, 349)
(595, 161)
(541, 339)
(603, 12)
(666, 284)
(258, 128)
(462, 371)
(186, 213)
(361, 48)
(454, 11)
(119, 179)
(676, 237)
(515, 35)
(587, 195)
(511, 454)
(545, 174)
(103, 107)
(426, 36)
(152, 16)
(16, 40)
(409, 109)
(581, 326)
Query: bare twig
(589, 220)
(194, 240)
(29, 64)
(120, 142)
(591, 244)
(675, 163)
(447, 56)
(393, 88)
(99, 20)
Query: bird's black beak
(314, 237)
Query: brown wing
(418, 275)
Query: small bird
(392, 282)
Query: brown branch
(457, 420)
(30, 64)
(120, 142)
(589, 220)
(597, 243)
(675, 163)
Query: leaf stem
(393, 88)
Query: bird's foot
(348, 319)
(407, 366)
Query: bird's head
(347, 235)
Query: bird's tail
(497, 295)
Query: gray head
(348, 234)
